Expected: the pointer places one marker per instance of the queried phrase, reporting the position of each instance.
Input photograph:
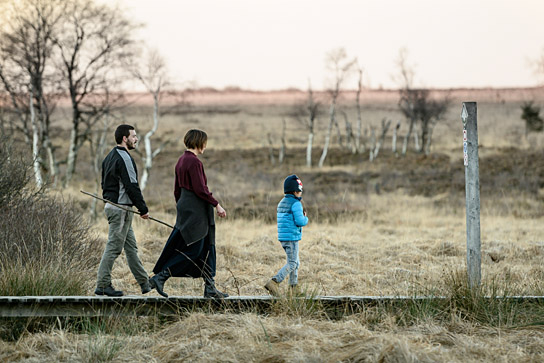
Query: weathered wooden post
(472, 190)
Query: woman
(190, 249)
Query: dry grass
(360, 241)
(253, 338)
(398, 246)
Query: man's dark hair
(122, 130)
(195, 139)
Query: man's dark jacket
(120, 180)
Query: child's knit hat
(292, 184)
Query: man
(120, 185)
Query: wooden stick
(124, 208)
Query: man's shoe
(108, 291)
(146, 287)
(273, 288)
(210, 291)
(157, 281)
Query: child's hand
(304, 211)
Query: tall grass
(494, 303)
(46, 248)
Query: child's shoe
(273, 287)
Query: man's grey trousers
(120, 236)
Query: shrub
(15, 173)
(531, 115)
(46, 247)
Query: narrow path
(91, 306)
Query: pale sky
(263, 45)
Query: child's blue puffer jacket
(291, 219)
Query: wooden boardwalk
(91, 306)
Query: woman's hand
(220, 211)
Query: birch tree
(341, 67)
(406, 79)
(154, 76)
(313, 110)
(35, 143)
(359, 147)
(26, 45)
(283, 146)
(98, 144)
(417, 105)
(350, 137)
(93, 45)
(307, 113)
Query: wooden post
(472, 188)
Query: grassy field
(392, 227)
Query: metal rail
(92, 306)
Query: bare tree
(306, 113)
(539, 66)
(360, 147)
(26, 45)
(372, 144)
(93, 44)
(281, 155)
(35, 142)
(338, 63)
(98, 145)
(406, 79)
(531, 115)
(417, 106)
(350, 137)
(50, 45)
(374, 153)
(271, 149)
(313, 110)
(154, 76)
(394, 140)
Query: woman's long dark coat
(190, 249)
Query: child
(291, 219)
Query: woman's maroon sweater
(190, 175)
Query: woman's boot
(211, 291)
(158, 281)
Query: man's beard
(130, 145)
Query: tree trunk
(407, 137)
(35, 142)
(424, 134)
(72, 154)
(372, 144)
(416, 142)
(74, 139)
(271, 150)
(429, 138)
(281, 155)
(53, 167)
(385, 127)
(309, 149)
(97, 163)
(350, 142)
(394, 140)
(360, 147)
(148, 159)
(338, 132)
(329, 131)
